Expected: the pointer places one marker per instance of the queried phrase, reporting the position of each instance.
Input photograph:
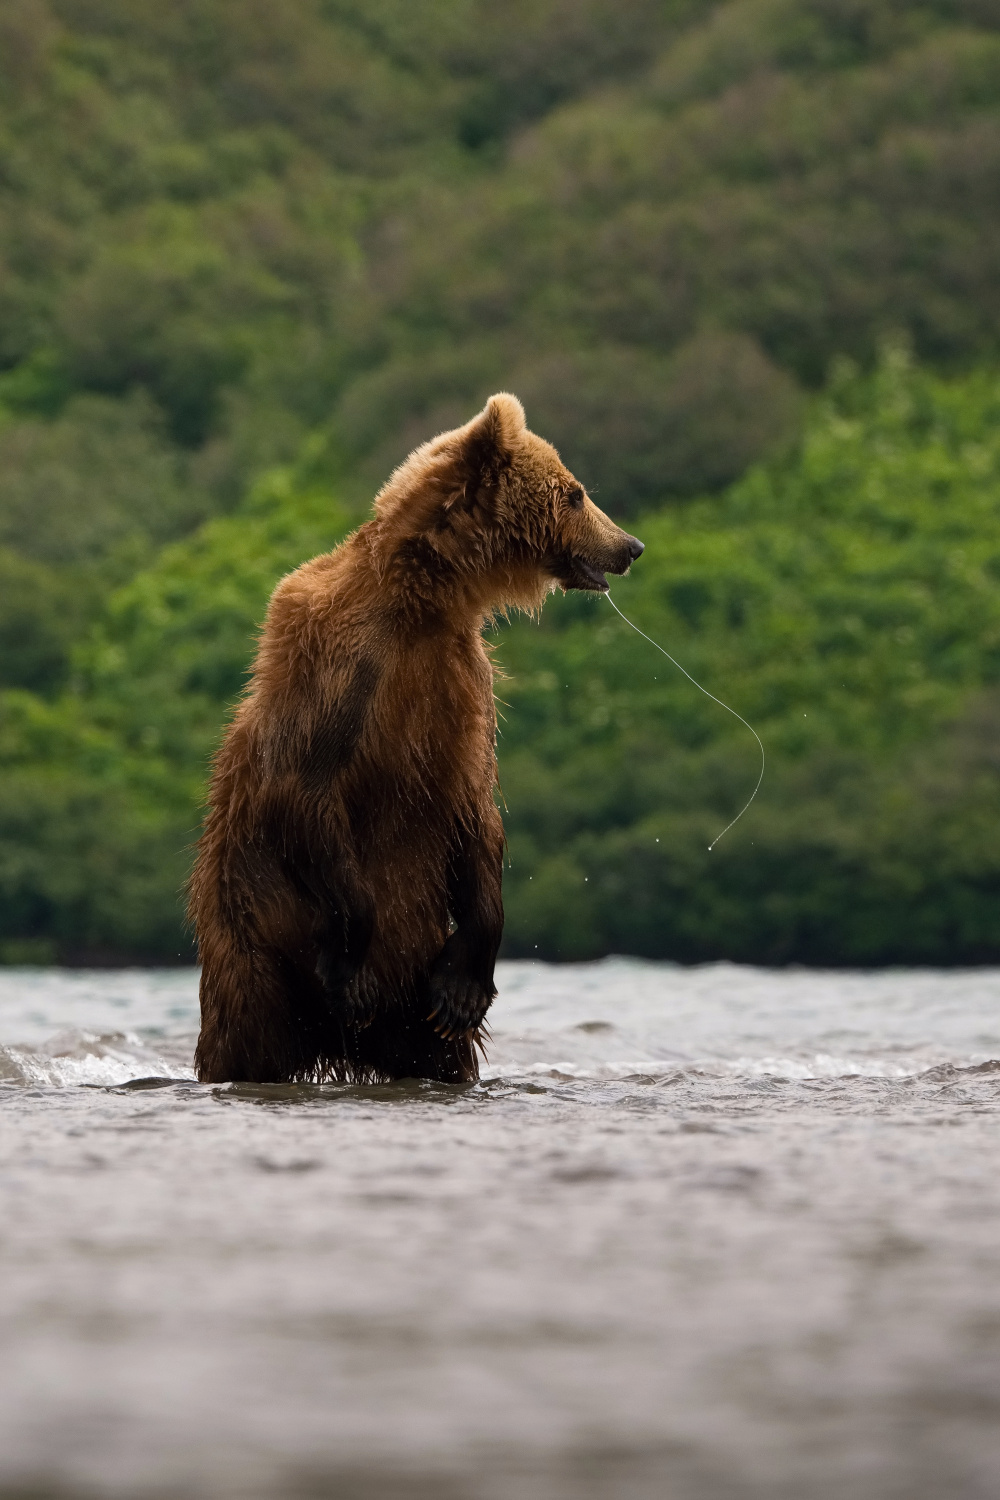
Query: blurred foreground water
(699, 1233)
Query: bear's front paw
(360, 997)
(459, 1001)
(351, 994)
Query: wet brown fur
(347, 889)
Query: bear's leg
(344, 934)
(461, 981)
(262, 1015)
(400, 1042)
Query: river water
(700, 1234)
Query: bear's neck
(423, 590)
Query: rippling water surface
(699, 1233)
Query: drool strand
(714, 699)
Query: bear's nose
(635, 547)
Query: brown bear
(346, 894)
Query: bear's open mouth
(595, 579)
(576, 573)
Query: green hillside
(225, 223)
(844, 598)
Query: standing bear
(346, 894)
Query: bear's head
(490, 513)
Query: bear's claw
(461, 1003)
(361, 998)
(353, 1000)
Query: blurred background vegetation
(741, 262)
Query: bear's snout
(631, 549)
(604, 548)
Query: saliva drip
(714, 699)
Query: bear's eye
(575, 496)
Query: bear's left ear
(490, 438)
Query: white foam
(73, 1058)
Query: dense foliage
(845, 601)
(226, 222)
(843, 598)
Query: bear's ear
(490, 438)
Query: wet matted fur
(346, 894)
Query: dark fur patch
(336, 736)
(420, 554)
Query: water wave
(77, 1057)
(74, 1057)
(792, 1069)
